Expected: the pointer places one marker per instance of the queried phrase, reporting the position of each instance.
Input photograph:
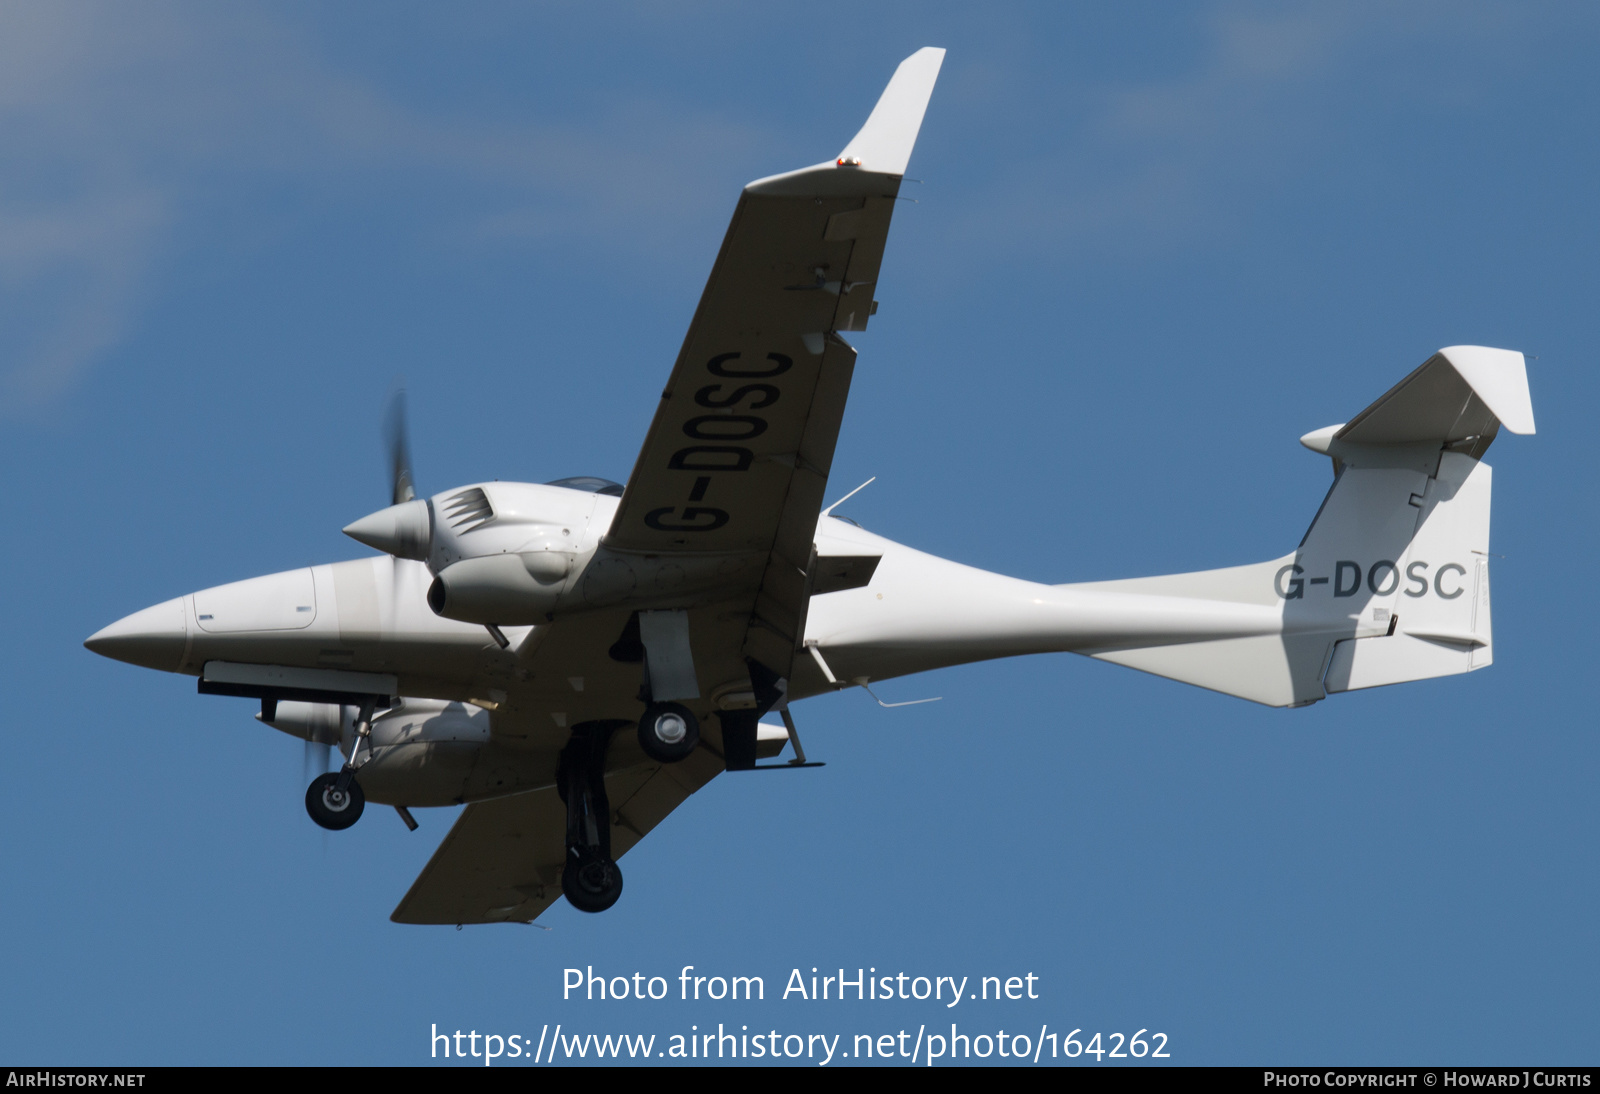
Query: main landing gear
(668, 732)
(590, 879)
(335, 800)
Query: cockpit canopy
(589, 484)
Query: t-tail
(1391, 582)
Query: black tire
(331, 809)
(668, 732)
(591, 883)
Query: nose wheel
(333, 806)
(335, 800)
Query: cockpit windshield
(589, 484)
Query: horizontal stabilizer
(1457, 399)
(1449, 397)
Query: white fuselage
(918, 612)
(442, 744)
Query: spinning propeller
(405, 528)
(315, 760)
(395, 436)
(402, 489)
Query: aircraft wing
(737, 458)
(734, 465)
(501, 861)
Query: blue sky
(1154, 245)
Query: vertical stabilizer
(1391, 582)
(1439, 603)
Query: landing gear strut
(590, 879)
(335, 801)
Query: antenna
(860, 681)
(829, 510)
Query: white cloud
(72, 276)
(121, 122)
(126, 125)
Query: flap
(835, 573)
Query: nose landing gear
(590, 879)
(333, 807)
(335, 801)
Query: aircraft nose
(153, 638)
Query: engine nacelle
(510, 589)
(425, 752)
(320, 723)
(501, 552)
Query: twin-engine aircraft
(572, 660)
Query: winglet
(884, 143)
(876, 158)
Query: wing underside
(501, 861)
